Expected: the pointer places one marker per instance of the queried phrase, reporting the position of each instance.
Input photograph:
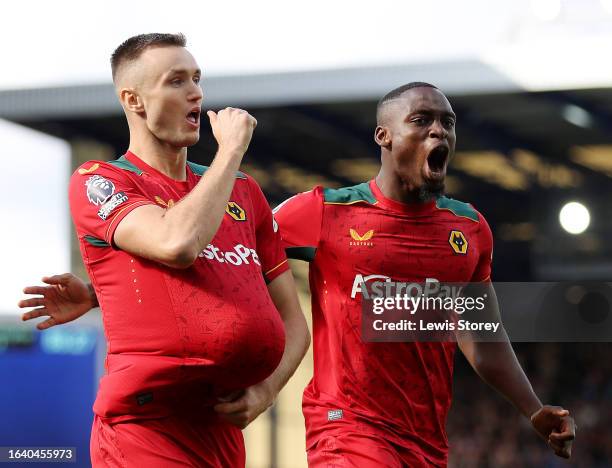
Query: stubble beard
(430, 190)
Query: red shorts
(167, 442)
(357, 450)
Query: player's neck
(167, 159)
(394, 188)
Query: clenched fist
(232, 128)
(557, 427)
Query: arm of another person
(65, 298)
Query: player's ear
(131, 100)
(382, 137)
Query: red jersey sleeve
(300, 218)
(101, 195)
(270, 249)
(485, 247)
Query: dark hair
(397, 92)
(133, 47)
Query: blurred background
(532, 88)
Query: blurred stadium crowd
(486, 431)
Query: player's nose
(196, 93)
(437, 130)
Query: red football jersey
(178, 337)
(401, 391)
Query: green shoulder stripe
(349, 195)
(95, 241)
(123, 163)
(198, 170)
(458, 208)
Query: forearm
(496, 364)
(297, 337)
(193, 222)
(175, 236)
(297, 340)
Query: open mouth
(194, 116)
(437, 159)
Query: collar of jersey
(394, 205)
(181, 184)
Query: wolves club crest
(99, 189)
(458, 242)
(235, 211)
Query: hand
(233, 129)
(249, 404)
(557, 427)
(65, 299)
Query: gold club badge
(235, 211)
(458, 242)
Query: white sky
(69, 42)
(35, 235)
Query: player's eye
(419, 121)
(449, 123)
(196, 80)
(176, 82)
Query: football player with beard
(374, 404)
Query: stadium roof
(266, 90)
